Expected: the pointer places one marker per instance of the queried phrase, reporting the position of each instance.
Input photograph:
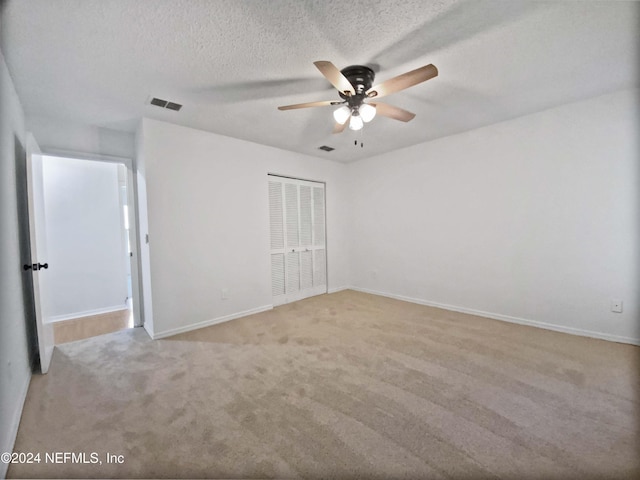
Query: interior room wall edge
(535, 219)
(223, 243)
(208, 323)
(12, 431)
(15, 372)
(505, 318)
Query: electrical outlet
(224, 294)
(616, 306)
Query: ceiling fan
(354, 85)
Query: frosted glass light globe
(367, 112)
(342, 114)
(356, 122)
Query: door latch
(35, 267)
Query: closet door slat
(276, 215)
(291, 201)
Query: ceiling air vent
(173, 106)
(326, 148)
(158, 102)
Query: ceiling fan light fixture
(342, 114)
(355, 87)
(356, 122)
(367, 112)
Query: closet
(298, 239)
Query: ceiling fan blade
(403, 81)
(339, 128)
(390, 111)
(308, 104)
(335, 76)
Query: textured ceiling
(232, 62)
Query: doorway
(89, 247)
(298, 250)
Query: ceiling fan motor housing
(361, 78)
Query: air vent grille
(326, 148)
(174, 106)
(158, 102)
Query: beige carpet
(346, 385)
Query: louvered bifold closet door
(319, 241)
(298, 244)
(306, 238)
(293, 237)
(291, 202)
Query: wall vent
(326, 148)
(158, 102)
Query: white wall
(143, 260)
(84, 223)
(534, 219)
(209, 222)
(15, 371)
(60, 136)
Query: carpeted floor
(347, 385)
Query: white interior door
(38, 245)
(298, 244)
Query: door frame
(134, 259)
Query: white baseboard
(208, 323)
(14, 425)
(148, 329)
(339, 289)
(300, 295)
(506, 318)
(86, 313)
